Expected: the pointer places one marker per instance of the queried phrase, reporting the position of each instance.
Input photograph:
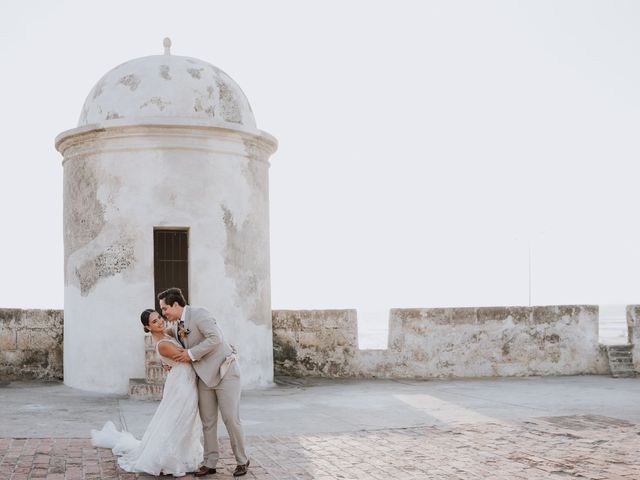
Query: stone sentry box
(163, 141)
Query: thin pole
(529, 274)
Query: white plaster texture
(168, 86)
(177, 167)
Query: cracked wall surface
(83, 211)
(164, 142)
(169, 86)
(323, 343)
(633, 333)
(246, 255)
(115, 259)
(120, 185)
(443, 343)
(31, 344)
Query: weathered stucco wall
(448, 342)
(164, 141)
(633, 326)
(30, 344)
(122, 182)
(423, 343)
(315, 342)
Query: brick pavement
(578, 446)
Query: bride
(171, 444)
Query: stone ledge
(31, 344)
(140, 389)
(443, 343)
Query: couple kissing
(203, 378)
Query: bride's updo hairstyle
(144, 318)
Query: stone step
(140, 389)
(626, 368)
(626, 374)
(150, 355)
(623, 373)
(621, 361)
(621, 366)
(154, 373)
(620, 348)
(618, 353)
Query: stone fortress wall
(31, 344)
(423, 343)
(443, 343)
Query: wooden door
(171, 261)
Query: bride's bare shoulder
(166, 346)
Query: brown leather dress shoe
(241, 470)
(204, 470)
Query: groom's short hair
(171, 296)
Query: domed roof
(168, 86)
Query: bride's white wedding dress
(172, 442)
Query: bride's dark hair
(144, 318)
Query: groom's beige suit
(208, 349)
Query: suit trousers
(226, 397)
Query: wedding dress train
(171, 445)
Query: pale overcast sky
(424, 146)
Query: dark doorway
(171, 261)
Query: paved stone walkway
(577, 446)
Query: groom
(218, 377)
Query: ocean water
(373, 327)
(613, 324)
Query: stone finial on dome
(167, 46)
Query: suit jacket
(207, 345)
